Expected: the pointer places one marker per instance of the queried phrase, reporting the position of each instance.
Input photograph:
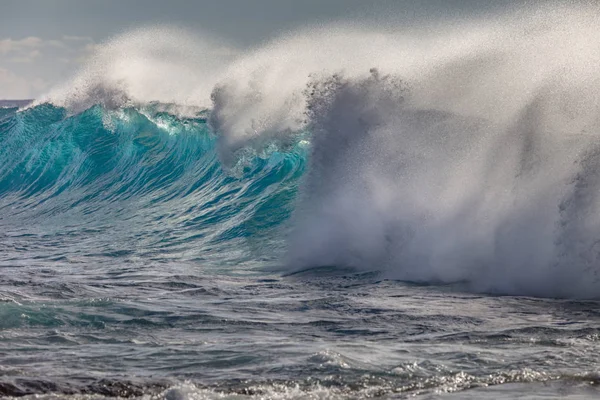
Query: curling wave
(144, 182)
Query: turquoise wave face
(141, 183)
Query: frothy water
(192, 220)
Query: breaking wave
(457, 152)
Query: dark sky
(244, 21)
(43, 41)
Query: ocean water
(348, 211)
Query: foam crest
(489, 69)
(158, 64)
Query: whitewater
(349, 210)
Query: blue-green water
(134, 264)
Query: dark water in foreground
(133, 266)
(174, 331)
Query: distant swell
(459, 152)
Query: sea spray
(431, 196)
(152, 64)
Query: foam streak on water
(333, 214)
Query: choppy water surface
(117, 328)
(346, 212)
